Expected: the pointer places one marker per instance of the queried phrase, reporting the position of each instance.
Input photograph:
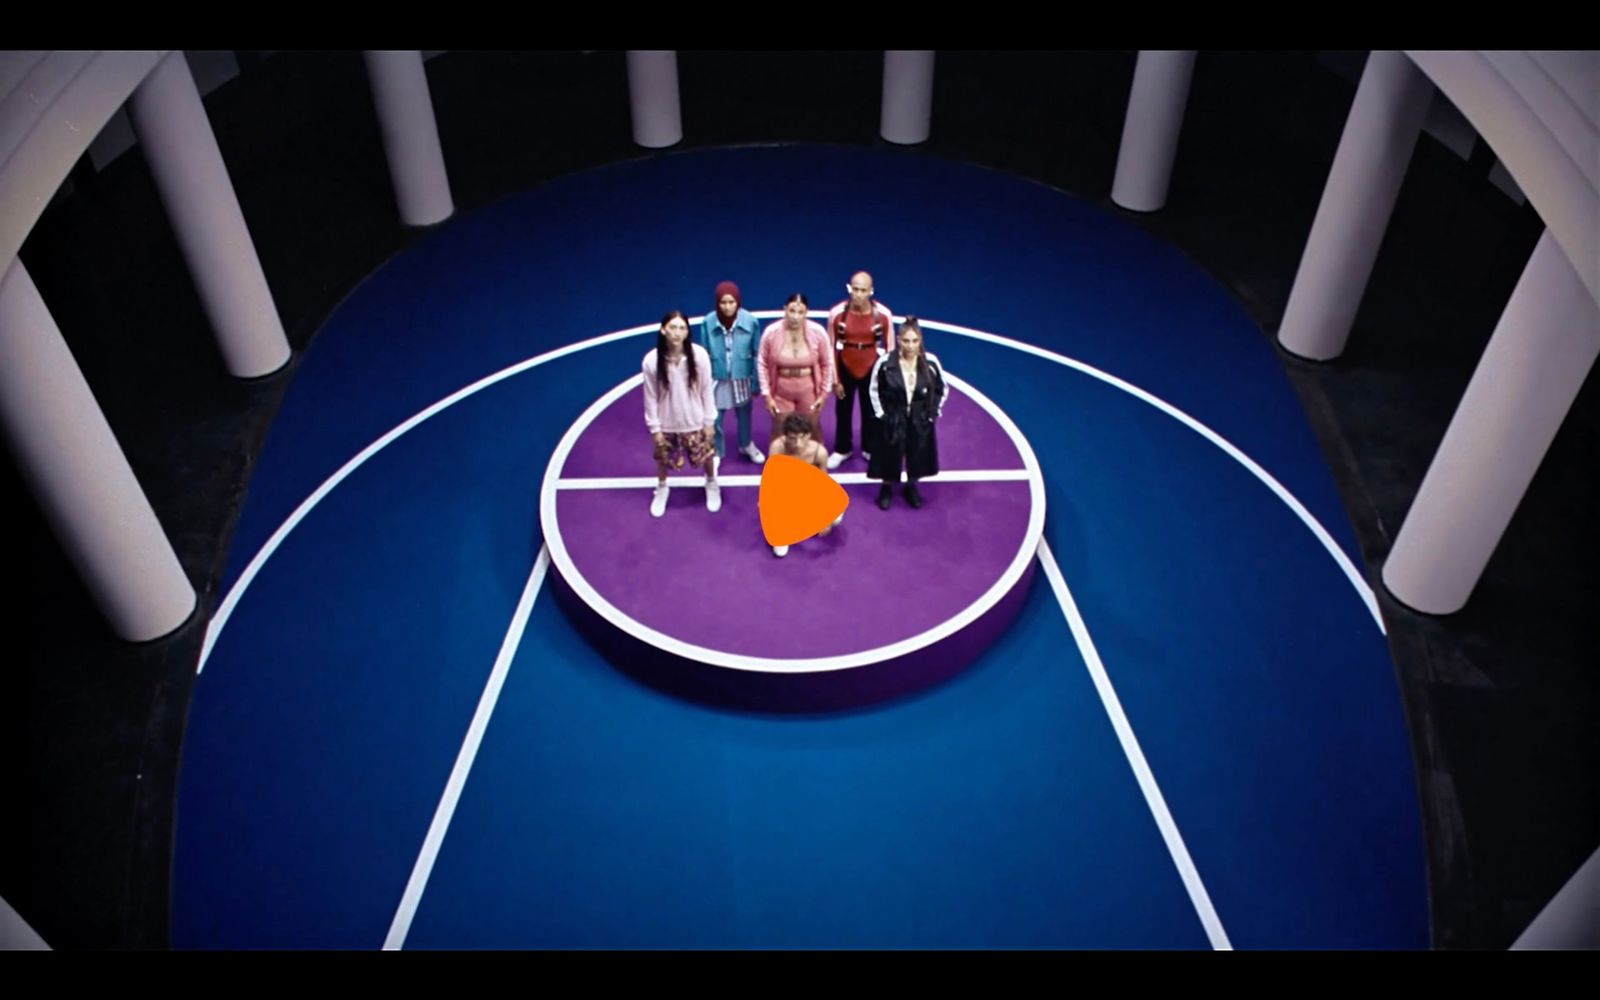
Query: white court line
(844, 479)
(231, 601)
(236, 592)
(1130, 748)
(562, 560)
(1299, 509)
(401, 925)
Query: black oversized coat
(909, 435)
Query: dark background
(1500, 697)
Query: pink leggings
(796, 395)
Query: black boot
(885, 496)
(913, 497)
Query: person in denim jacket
(731, 335)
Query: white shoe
(713, 497)
(780, 550)
(835, 460)
(658, 501)
(753, 453)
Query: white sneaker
(713, 497)
(835, 460)
(780, 550)
(753, 453)
(658, 501)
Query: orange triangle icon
(797, 500)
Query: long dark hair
(661, 350)
(924, 372)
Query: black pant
(843, 439)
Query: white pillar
(653, 95)
(1150, 130)
(189, 173)
(1378, 139)
(410, 136)
(15, 933)
(907, 96)
(1571, 920)
(1536, 361)
(76, 471)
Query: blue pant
(742, 413)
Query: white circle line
(1306, 517)
(231, 600)
(754, 479)
(236, 592)
(574, 578)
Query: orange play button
(796, 500)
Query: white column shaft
(410, 136)
(1541, 351)
(193, 182)
(1150, 130)
(1379, 137)
(653, 96)
(907, 96)
(78, 474)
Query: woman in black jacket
(908, 391)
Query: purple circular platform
(696, 603)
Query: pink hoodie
(676, 408)
(816, 339)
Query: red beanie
(725, 288)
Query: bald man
(862, 330)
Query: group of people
(691, 381)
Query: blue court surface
(1191, 737)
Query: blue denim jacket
(746, 340)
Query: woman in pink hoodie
(679, 409)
